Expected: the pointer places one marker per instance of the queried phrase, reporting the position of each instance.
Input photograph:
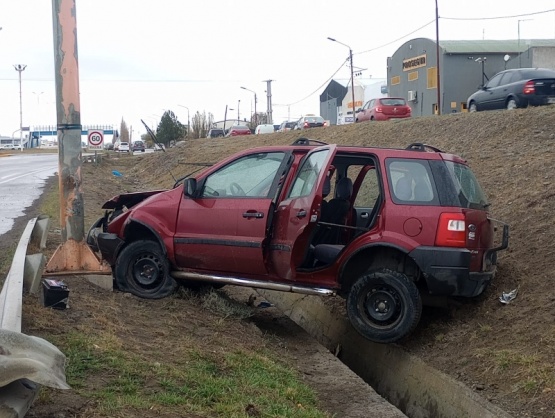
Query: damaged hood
(129, 199)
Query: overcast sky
(137, 59)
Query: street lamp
(519, 51)
(188, 120)
(20, 68)
(238, 119)
(255, 114)
(352, 75)
(483, 61)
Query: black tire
(384, 306)
(143, 270)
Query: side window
(494, 82)
(308, 174)
(410, 182)
(249, 176)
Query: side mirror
(190, 187)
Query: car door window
(307, 175)
(507, 79)
(249, 176)
(494, 82)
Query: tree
(123, 132)
(201, 124)
(170, 129)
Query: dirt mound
(503, 351)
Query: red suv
(379, 227)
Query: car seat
(403, 188)
(335, 212)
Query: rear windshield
(393, 102)
(537, 73)
(467, 188)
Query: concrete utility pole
(269, 99)
(73, 255)
(20, 68)
(438, 77)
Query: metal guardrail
(27, 362)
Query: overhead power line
(498, 17)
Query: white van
(264, 129)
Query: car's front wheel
(143, 270)
(384, 305)
(472, 108)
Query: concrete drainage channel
(417, 389)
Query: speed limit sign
(96, 138)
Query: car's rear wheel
(511, 103)
(143, 270)
(384, 305)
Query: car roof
(414, 150)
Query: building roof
(345, 82)
(494, 46)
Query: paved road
(22, 178)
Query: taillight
(451, 230)
(379, 110)
(306, 125)
(529, 88)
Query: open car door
(296, 215)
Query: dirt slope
(505, 352)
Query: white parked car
(264, 129)
(123, 147)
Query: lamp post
(238, 118)
(482, 60)
(519, 51)
(352, 75)
(188, 120)
(20, 68)
(255, 100)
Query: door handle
(364, 215)
(257, 215)
(301, 213)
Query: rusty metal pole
(73, 255)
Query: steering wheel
(236, 190)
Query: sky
(139, 59)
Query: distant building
(336, 102)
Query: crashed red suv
(379, 227)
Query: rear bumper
(447, 271)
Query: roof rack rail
(307, 141)
(418, 146)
